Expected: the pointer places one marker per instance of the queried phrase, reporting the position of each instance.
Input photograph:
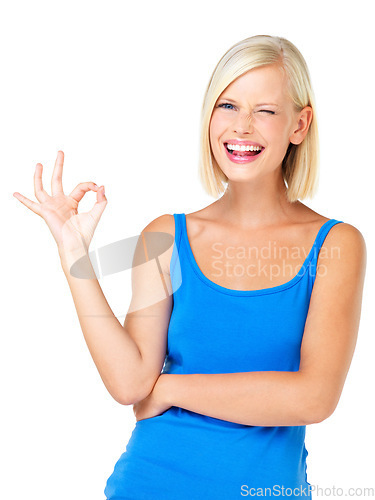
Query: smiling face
(255, 108)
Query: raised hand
(60, 212)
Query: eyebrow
(260, 104)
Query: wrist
(76, 262)
(166, 384)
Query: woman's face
(256, 108)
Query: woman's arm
(128, 358)
(250, 398)
(113, 351)
(310, 395)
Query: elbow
(125, 401)
(319, 398)
(318, 410)
(130, 396)
(123, 397)
(315, 416)
(127, 398)
(324, 411)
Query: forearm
(113, 350)
(269, 398)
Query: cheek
(218, 124)
(214, 133)
(271, 129)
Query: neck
(258, 203)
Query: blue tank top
(183, 455)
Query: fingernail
(103, 190)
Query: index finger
(56, 181)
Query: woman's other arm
(310, 395)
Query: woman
(251, 315)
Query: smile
(244, 155)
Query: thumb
(100, 204)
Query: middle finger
(56, 181)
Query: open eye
(225, 104)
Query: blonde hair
(300, 166)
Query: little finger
(35, 207)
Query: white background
(118, 86)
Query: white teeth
(237, 147)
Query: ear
(303, 120)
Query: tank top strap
(324, 230)
(321, 236)
(178, 228)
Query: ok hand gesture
(60, 211)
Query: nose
(243, 123)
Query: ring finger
(40, 194)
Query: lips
(242, 157)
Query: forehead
(259, 84)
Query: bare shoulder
(163, 223)
(347, 236)
(345, 246)
(161, 246)
(343, 235)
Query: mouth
(243, 156)
(243, 153)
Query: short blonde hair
(300, 166)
